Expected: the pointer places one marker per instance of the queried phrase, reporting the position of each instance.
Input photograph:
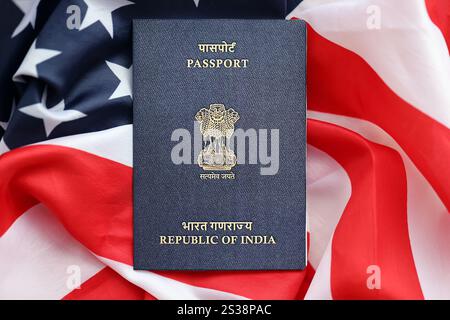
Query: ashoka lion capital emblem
(217, 127)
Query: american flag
(378, 178)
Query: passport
(219, 144)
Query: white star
(52, 117)
(31, 60)
(29, 9)
(101, 10)
(196, 2)
(125, 75)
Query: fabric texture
(378, 138)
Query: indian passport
(219, 144)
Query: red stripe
(373, 229)
(108, 285)
(309, 275)
(341, 82)
(91, 196)
(439, 11)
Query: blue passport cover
(219, 144)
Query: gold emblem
(217, 127)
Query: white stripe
(164, 288)
(320, 287)
(115, 144)
(408, 52)
(35, 254)
(428, 219)
(328, 190)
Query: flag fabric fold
(378, 196)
